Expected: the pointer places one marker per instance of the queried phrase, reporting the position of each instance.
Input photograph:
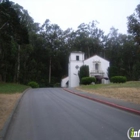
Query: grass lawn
(9, 95)
(131, 84)
(129, 91)
(11, 88)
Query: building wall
(103, 64)
(64, 82)
(74, 67)
(74, 54)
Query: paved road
(54, 114)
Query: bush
(83, 72)
(33, 84)
(118, 79)
(57, 85)
(87, 80)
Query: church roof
(96, 55)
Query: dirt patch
(128, 94)
(7, 103)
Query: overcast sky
(71, 13)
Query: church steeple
(76, 60)
(76, 56)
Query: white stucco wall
(103, 65)
(73, 55)
(105, 81)
(73, 74)
(74, 67)
(64, 81)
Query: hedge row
(118, 79)
(87, 80)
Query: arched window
(96, 66)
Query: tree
(53, 42)
(89, 39)
(27, 49)
(12, 35)
(112, 71)
(83, 72)
(134, 24)
(134, 29)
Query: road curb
(8, 122)
(106, 103)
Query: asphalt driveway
(54, 114)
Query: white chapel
(97, 68)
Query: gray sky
(71, 13)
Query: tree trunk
(0, 78)
(18, 64)
(3, 25)
(5, 73)
(50, 72)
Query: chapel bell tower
(76, 60)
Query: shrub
(57, 85)
(87, 80)
(83, 72)
(118, 79)
(33, 84)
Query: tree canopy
(33, 52)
